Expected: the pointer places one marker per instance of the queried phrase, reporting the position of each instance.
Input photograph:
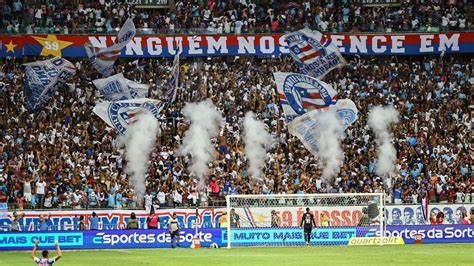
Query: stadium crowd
(66, 157)
(234, 16)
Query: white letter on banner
(194, 45)
(397, 44)
(246, 44)
(154, 45)
(337, 40)
(445, 42)
(375, 44)
(172, 41)
(267, 49)
(100, 42)
(220, 44)
(283, 45)
(358, 45)
(134, 46)
(425, 43)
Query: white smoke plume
(205, 121)
(139, 141)
(379, 120)
(257, 140)
(330, 134)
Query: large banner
(235, 45)
(111, 219)
(255, 216)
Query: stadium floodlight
(276, 220)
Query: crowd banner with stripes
(145, 46)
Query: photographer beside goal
(308, 220)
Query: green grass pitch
(427, 254)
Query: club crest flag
(314, 54)
(306, 126)
(103, 59)
(43, 78)
(121, 114)
(118, 88)
(299, 93)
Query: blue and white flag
(174, 78)
(299, 93)
(104, 59)
(43, 78)
(137, 90)
(306, 126)
(118, 88)
(121, 114)
(314, 54)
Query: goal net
(276, 220)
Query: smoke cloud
(139, 141)
(379, 120)
(205, 120)
(256, 139)
(330, 134)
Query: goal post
(275, 220)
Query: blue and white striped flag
(174, 78)
(300, 93)
(103, 59)
(118, 88)
(306, 127)
(313, 52)
(43, 78)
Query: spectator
(133, 222)
(153, 220)
(40, 191)
(15, 221)
(44, 221)
(94, 222)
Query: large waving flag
(315, 54)
(121, 114)
(104, 59)
(299, 93)
(174, 78)
(306, 126)
(118, 88)
(43, 78)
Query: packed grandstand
(65, 157)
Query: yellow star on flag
(51, 45)
(261, 219)
(10, 47)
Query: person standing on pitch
(45, 260)
(308, 220)
(173, 225)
